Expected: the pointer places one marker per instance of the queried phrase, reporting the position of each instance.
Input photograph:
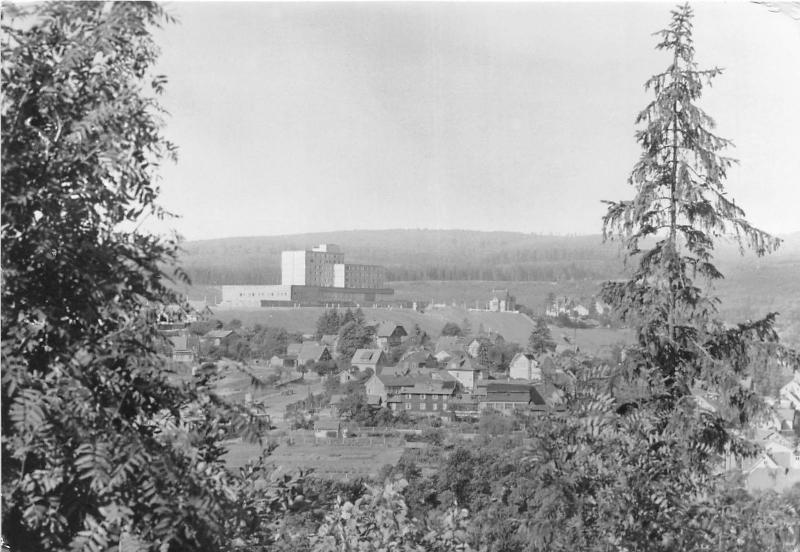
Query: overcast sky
(304, 117)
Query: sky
(311, 117)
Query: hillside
(512, 326)
(412, 255)
(458, 266)
(419, 255)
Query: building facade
(318, 277)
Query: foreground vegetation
(98, 453)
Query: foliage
(202, 327)
(322, 368)
(540, 341)
(452, 329)
(681, 208)
(353, 336)
(267, 341)
(329, 323)
(96, 449)
(379, 521)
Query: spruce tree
(540, 341)
(679, 211)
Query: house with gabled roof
(525, 366)
(219, 338)
(427, 393)
(199, 311)
(466, 370)
(369, 358)
(389, 334)
(418, 359)
(791, 391)
(508, 397)
(181, 352)
(313, 352)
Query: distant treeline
(412, 255)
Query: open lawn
(326, 460)
(512, 326)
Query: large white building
(324, 266)
(315, 276)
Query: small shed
(329, 428)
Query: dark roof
(417, 356)
(411, 380)
(513, 392)
(465, 363)
(387, 329)
(311, 351)
(219, 334)
(366, 356)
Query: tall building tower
(311, 268)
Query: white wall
(293, 268)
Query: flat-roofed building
(252, 296)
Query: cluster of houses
(448, 381)
(173, 322)
(575, 308)
(778, 465)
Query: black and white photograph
(420, 276)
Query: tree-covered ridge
(431, 255)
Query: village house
(501, 301)
(508, 397)
(329, 428)
(374, 359)
(181, 351)
(199, 312)
(442, 357)
(389, 334)
(466, 370)
(525, 366)
(312, 352)
(791, 391)
(418, 393)
(221, 338)
(418, 359)
(292, 352)
(579, 311)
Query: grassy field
(327, 460)
(512, 326)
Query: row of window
(425, 396)
(501, 405)
(421, 406)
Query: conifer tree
(679, 211)
(540, 341)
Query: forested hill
(436, 255)
(412, 255)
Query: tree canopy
(92, 448)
